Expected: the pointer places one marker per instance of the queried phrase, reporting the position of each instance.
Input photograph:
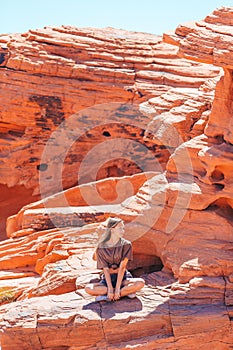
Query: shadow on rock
(109, 309)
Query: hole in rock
(219, 139)
(117, 168)
(106, 134)
(217, 175)
(143, 263)
(218, 187)
(223, 207)
(42, 167)
(2, 57)
(140, 94)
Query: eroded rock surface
(178, 215)
(48, 75)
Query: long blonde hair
(111, 223)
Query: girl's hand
(110, 294)
(117, 294)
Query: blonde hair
(111, 223)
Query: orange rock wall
(178, 217)
(48, 75)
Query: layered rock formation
(48, 75)
(177, 204)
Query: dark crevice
(14, 69)
(140, 94)
(219, 139)
(151, 264)
(217, 175)
(224, 296)
(33, 159)
(218, 187)
(37, 333)
(102, 326)
(223, 208)
(2, 57)
(106, 134)
(18, 133)
(45, 42)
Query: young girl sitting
(112, 255)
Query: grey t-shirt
(108, 256)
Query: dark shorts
(127, 275)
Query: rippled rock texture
(106, 123)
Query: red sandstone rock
(48, 75)
(210, 41)
(178, 217)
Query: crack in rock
(102, 326)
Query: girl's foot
(101, 298)
(131, 295)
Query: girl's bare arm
(109, 283)
(120, 276)
(94, 256)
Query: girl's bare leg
(96, 289)
(132, 285)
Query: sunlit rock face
(160, 129)
(51, 74)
